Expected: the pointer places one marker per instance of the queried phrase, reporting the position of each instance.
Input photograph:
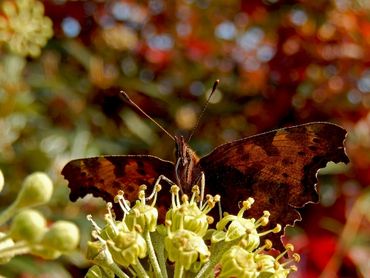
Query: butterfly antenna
(204, 108)
(126, 98)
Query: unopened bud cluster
(184, 246)
(28, 232)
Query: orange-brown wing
(103, 176)
(278, 169)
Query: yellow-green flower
(238, 227)
(238, 262)
(98, 272)
(127, 248)
(186, 247)
(142, 214)
(23, 27)
(187, 214)
(98, 253)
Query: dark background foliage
(280, 63)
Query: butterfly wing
(104, 176)
(278, 169)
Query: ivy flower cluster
(185, 245)
(23, 26)
(28, 232)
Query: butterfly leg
(159, 179)
(177, 175)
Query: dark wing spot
(240, 149)
(316, 140)
(313, 148)
(267, 145)
(274, 170)
(287, 161)
(119, 165)
(244, 156)
(301, 153)
(141, 170)
(129, 189)
(285, 175)
(92, 163)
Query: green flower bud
(144, 215)
(272, 271)
(1, 181)
(36, 190)
(3, 245)
(218, 236)
(271, 267)
(251, 240)
(45, 252)
(97, 272)
(28, 225)
(94, 272)
(62, 236)
(239, 227)
(110, 232)
(186, 247)
(98, 253)
(281, 273)
(238, 262)
(127, 247)
(266, 264)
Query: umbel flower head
(185, 246)
(23, 26)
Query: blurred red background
(280, 63)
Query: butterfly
(277, 168)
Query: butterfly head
(186, 160)
(184, 154)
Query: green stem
(158, 272)
(8, 213)
(118, 271)
(179, 270)
(140, 271)
(158, 242)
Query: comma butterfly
(277, 168)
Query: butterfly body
(187, 171)
(277, 168)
